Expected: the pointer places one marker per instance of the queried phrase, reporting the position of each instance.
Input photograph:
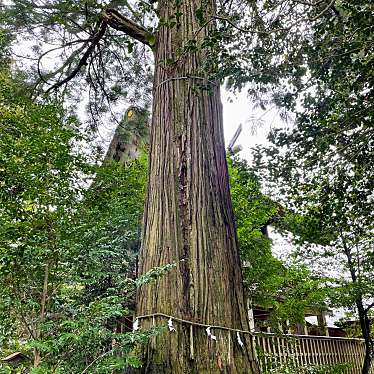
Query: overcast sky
(241, 111)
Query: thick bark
(188, 217)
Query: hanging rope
(229, 350)
(193, 323)
(191, 343)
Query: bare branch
(97, 359)
(61, 69)
(83, 61)
(50, 51)
(319, 15)
(111, 18)
(369, 307)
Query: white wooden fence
(304, 350)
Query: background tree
(64, 264)
(323, 165)
(38, 193)
(287, 290)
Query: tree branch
(111, 18)
(319, 15)
(83, 61)
(97, 359)
(308, 3)
(118, 22)
(61, 69)
(369, 307)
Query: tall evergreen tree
(188, 215)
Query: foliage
(322, 167)
(287, 290)
(253, 211)
(38, 194)
(106, 234)
(312, 369)
(260, 45)
(117, 73)
(65, 249)
(5, 50)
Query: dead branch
(83, 61)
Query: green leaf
(151, 38)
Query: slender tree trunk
(365, 328)
(362, 313)
(43, 302)
(188, 217)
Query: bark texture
(188, 217)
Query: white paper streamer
(170, 325)
(239, 340)
(135, 325)
(210, 335)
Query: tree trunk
(188, 218)
(362, 313)
(43, 302)
(365, 329)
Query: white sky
(241, 111)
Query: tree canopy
(106, 43)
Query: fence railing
(304, 350)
